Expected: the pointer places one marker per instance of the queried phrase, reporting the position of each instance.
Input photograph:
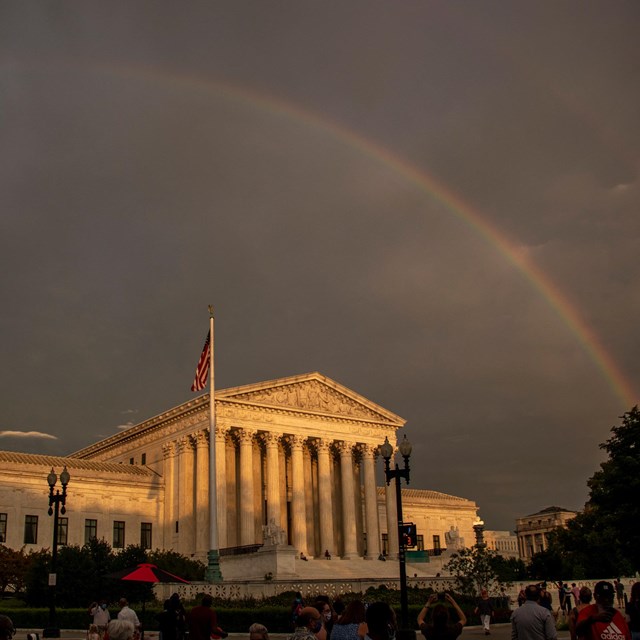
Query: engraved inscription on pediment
(312, 396)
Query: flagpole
(213, 569)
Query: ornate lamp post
(386, 450)
(57, 503)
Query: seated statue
(453, 540)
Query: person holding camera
(435, 622)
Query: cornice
(230, 409)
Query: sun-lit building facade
(295, 465)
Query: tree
(179, 565)
(604, 540)
(13, 569)
(474, 569)
(548, 565)
(37, 578)
(509, 570)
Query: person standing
(575, 592)
(101, 615)
(601, 621)
(381, 621)
(308, 624)
(258, 631)
(633, 611)
(484, 609)
(532, 621)
(584, 599)
(128, 614)
(435, 623)
(351, 625)
(202, 620)
(619, 587)
(6, 628)
(545, 600)
(561, 596)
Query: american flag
(202, 370)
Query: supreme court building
(295, 466)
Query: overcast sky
(286, 162)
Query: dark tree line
(603, 540)
(83, 573)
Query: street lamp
(57, 503)
(386, 450)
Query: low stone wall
(236, 589)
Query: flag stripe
(202, 370)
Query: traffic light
(409, 535)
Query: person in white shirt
(128, 614)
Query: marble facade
(296, 455)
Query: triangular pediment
(313, 393)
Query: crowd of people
(441, 618)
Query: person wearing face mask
(308, 624)
(327, 615)
(101, 615)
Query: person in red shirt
(601, 621)
(203, 622)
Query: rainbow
(558, 301)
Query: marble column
(324, 497)
(221, 485)
(169, 456)
(245, 503)
(202, 494)
(371, 502)
(186, 535)
(392, 520)
(348, 505)
(273, 479)
(298, 506)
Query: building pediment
(313, 393)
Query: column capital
(323, 445)
(344, 448)
(202, 438)
(221, 434)
(271, 439)
(246, 435)
(296, 442)
(169, 450)
(369, 450)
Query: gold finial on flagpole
(211, 310)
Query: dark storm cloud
(146, 170)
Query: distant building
(533, 530)
(504, 542)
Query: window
(420, 542)
(145, 535)
(130, 460)
(31, 529)
(436, 543)
(385, 544)
(3, 527)
(118, 534)
(63, 530)
(143, 459)
(90, 530)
